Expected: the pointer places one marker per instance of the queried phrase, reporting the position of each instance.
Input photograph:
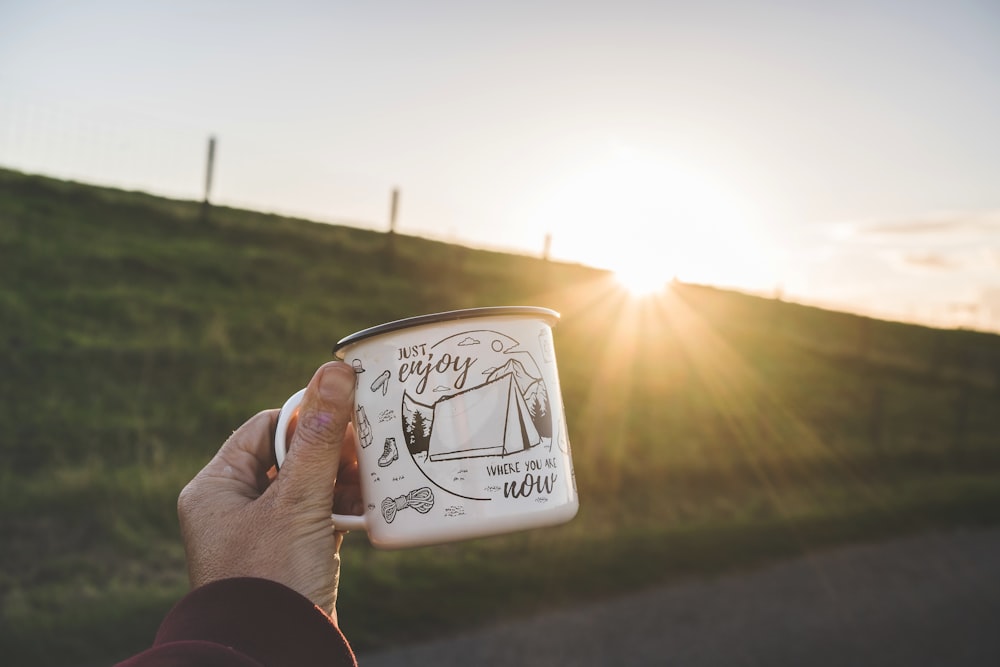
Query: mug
(460, 427)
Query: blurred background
(772, 229)
(841, 155)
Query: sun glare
(641, 280)
(650, 221)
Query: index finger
(246, 455)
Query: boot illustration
(389, 454)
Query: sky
(843, 154)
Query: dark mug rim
(547, 314)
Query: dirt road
(926, 600)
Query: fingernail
(337, 382)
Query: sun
(649, 221)
(641, 281)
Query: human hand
(238, 518)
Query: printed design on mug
(421, 499)
(358, 370)
(381, 383)
(485, 401)
(390, 453)
(363, 427)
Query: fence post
(393, 210)
(547, 270)
(209, 169)
(389, 253)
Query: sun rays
(679, 384)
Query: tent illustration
(491, 419)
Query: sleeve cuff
(261, 619)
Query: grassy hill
(710, 429)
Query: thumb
(310, 469)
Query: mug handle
(340, 521)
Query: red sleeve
(246, 623)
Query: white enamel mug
(460, 425)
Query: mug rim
(466, 313)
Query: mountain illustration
(417, 421)
(513, 367)
(536, 397)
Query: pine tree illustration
(540, 416)
(418, 440)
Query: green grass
(711, 430)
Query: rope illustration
(421, 499)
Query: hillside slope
(710, 429)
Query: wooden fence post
(389, 254)
(209, 170)
(547, 268)
(393, 210)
